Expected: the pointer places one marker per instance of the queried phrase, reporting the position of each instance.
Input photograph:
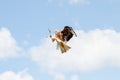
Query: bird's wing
(49, 33)
(67, 33)
(73, 32)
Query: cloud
(90, 51)
(10, 75)
(74, 77)
(70, 2)
(8, 45)
(61, 76)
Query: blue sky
(27, 53)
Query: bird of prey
(61, 37)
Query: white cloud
(8, 45)
(75, 77)
(10, 75)
(90, 51)
(72, 2)
(59, 76)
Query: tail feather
(63, 47)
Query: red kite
(61, 37)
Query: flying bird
(61, 37)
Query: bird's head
(57, 31)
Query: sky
(27, 53)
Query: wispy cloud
(70, 2)
(90, 51)
(10, 75)
(8, 45)
(73, 2)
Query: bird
(61, 37)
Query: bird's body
(60, 44)
(61, 37)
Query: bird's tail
(63, 47)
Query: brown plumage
(61, 37)
(67, 33)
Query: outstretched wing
(67, 33)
